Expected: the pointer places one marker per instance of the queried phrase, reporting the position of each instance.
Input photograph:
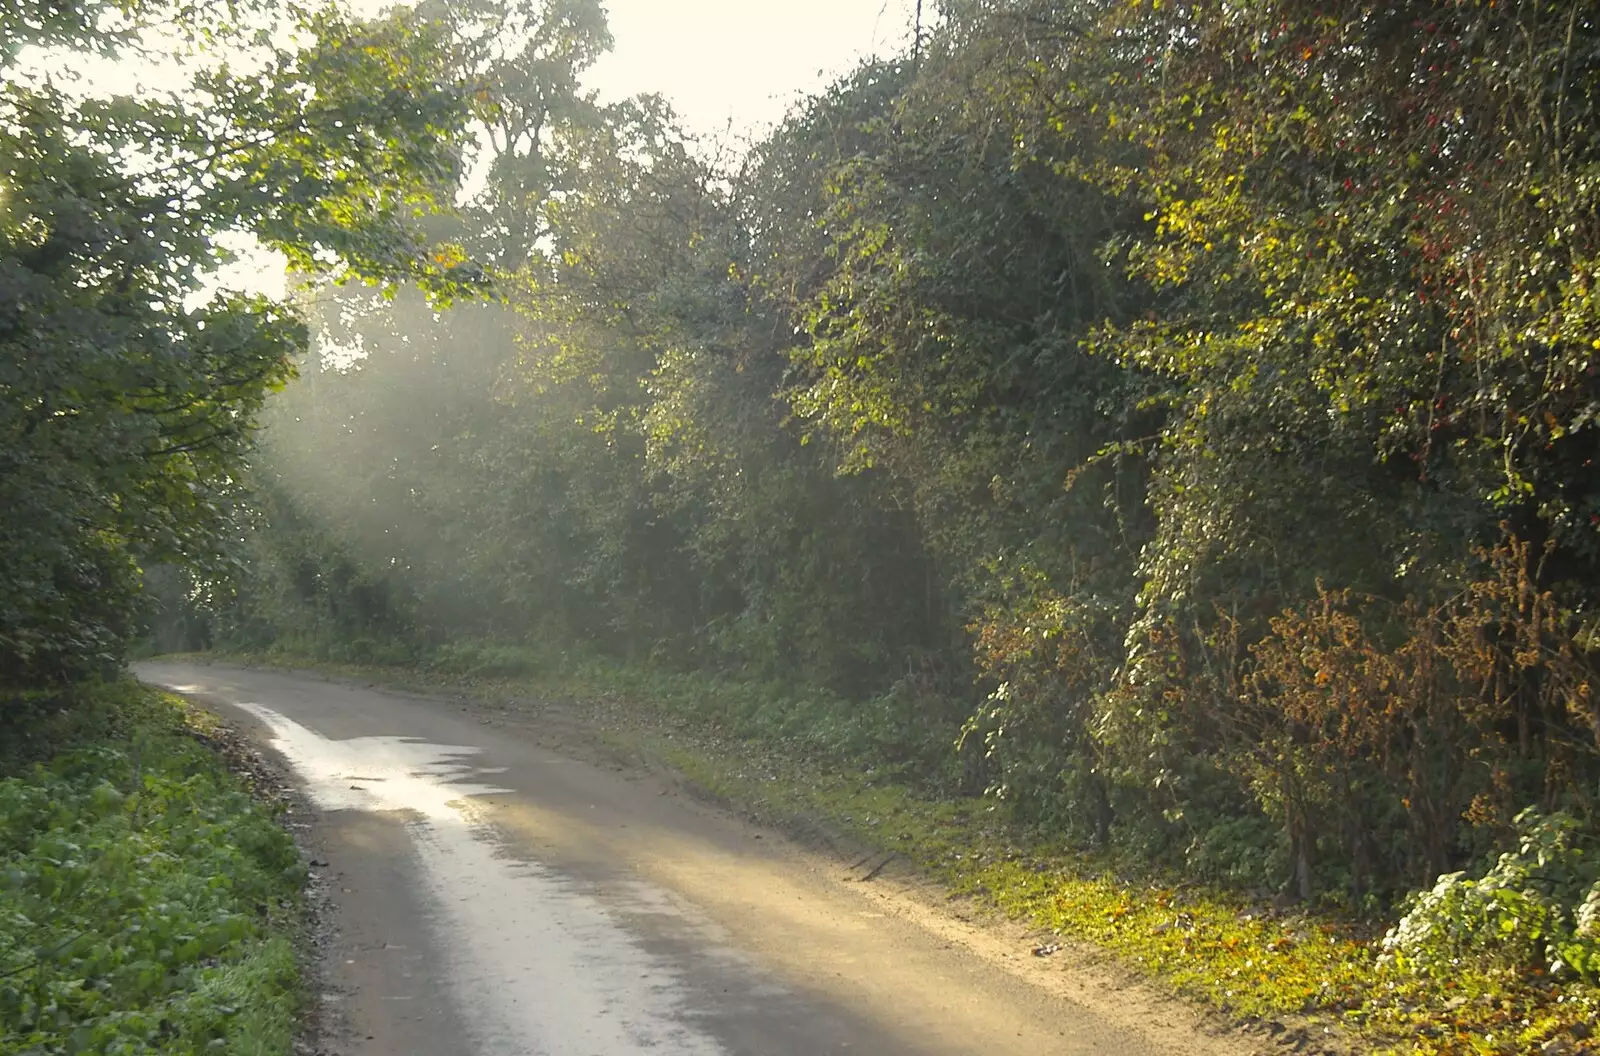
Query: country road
(491, 896)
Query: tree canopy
(128, 383)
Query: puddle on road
(538, 968)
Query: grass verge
(792, 762)
(147, 902)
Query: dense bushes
(1175, 420)
(144, 896)
(1536, 908)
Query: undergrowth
(1296, 973)
(146, 900)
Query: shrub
(1537, 907)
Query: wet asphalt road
(493, 897)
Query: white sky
(744, 61)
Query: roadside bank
(149, 903)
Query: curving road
(492, 896)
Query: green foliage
(128, 388)
(1174, 421)
(485, 660)
(142, 897)
(805, 722)
(1534, 907)
(37, 725)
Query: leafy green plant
(1537, 907)
(144, 898)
